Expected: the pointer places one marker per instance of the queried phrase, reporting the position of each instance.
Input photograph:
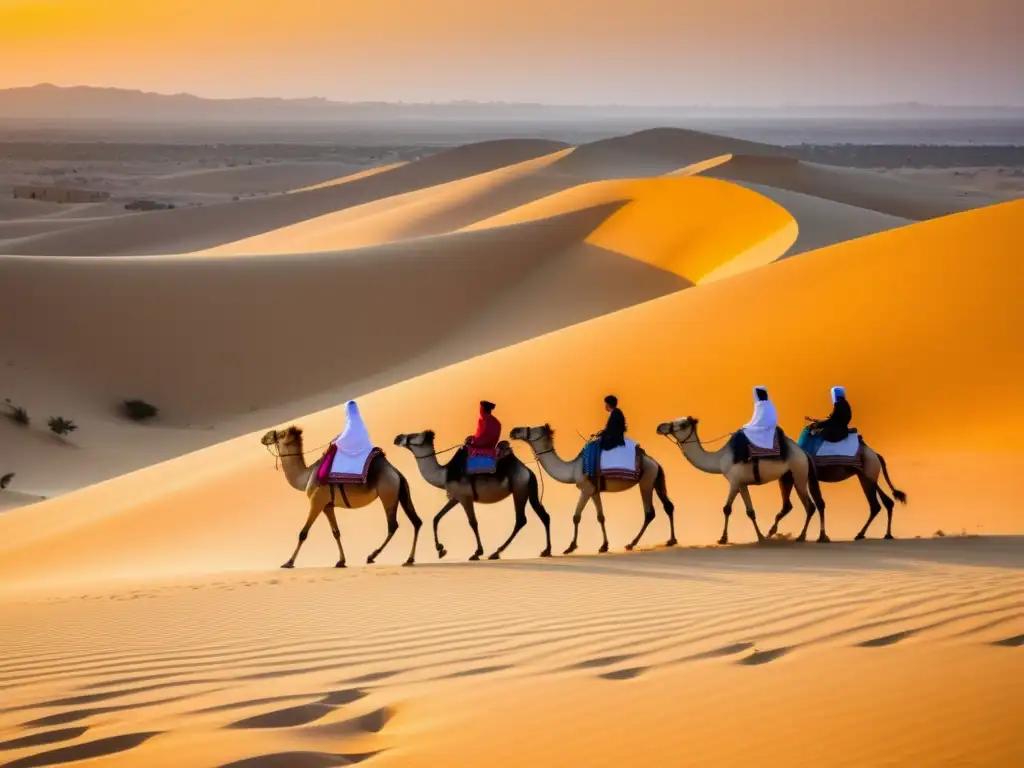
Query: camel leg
(314, 513)
(809, 507)
(870, 493)
(666, 502)
(519, 500)
(745, 492)
(441, 551)
(599, 505)
(889, 506)
(336, 531)
(786, 487)
(647, 495)
(727, 510)
(405, 499)
(391, 511)
(471, 516)
(581, 504)
(542, 513)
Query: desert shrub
(940, 534)
(61, 426)
(139, 410)
(17, 414)
(6, 480)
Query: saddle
(745, 452)
(846, 452)
(484, 461)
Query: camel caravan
(354, 472)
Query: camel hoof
(495, 556)
(631, 546)
(823, 539)
(341, 564)
(409, 563)
(801, 538)
(671, 543)
(603, 549)
(475, 557)
(772, 531)
(546, 552)
(889, 537)
(724, 540)
(570, 550)
(289, 564)
(370, 559)
(441, 552)
(859, 537)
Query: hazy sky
(662, 52)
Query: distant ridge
(48, 101)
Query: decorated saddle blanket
(772, 451)
(484, 461)
(622, 462)
(846, 451)
(342, 468)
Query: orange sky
(567, 51)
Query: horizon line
(553, 105)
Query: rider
(353, 442)
(761, 428)
(485, 439)
(488, 429)
(612, 436)
(833, 429)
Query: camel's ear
(693, 420)
(429, 435)
(294, 433)
(548, 429)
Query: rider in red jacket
(488, 429)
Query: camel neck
(559, 469)
(295, 470)
(431, 469)
(694, 452)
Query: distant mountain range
(51, 102)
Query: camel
(798, 466)
(651, 481)
(517, 481)
(383, 481)
(873, 464)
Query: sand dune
(863, 189)
(195, 228)
(266, 178)
(145, 622)
(689, 352)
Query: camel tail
(814, 484)
(662, 491)
(900, 496)
(405, 499)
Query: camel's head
(416, 439)
(290, 436)
(680, 429)
(532, 434)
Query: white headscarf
(760, 430)
(355, 439)
(837, 392)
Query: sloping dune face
(927, 371)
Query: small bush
(940, 534)
(17, 414)
(139, 410)
(6, 480)
(61, 426)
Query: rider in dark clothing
(614, 433)
(837, 426)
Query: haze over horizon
(732, 53)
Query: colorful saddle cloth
(340, 468)
(846, 452)
(484, 461)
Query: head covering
(760, 394)
(354, 439)
(487, 405)
(837, 393)
(612, 400)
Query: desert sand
(145, 622)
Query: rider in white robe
(760, 430)
(354, 441)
